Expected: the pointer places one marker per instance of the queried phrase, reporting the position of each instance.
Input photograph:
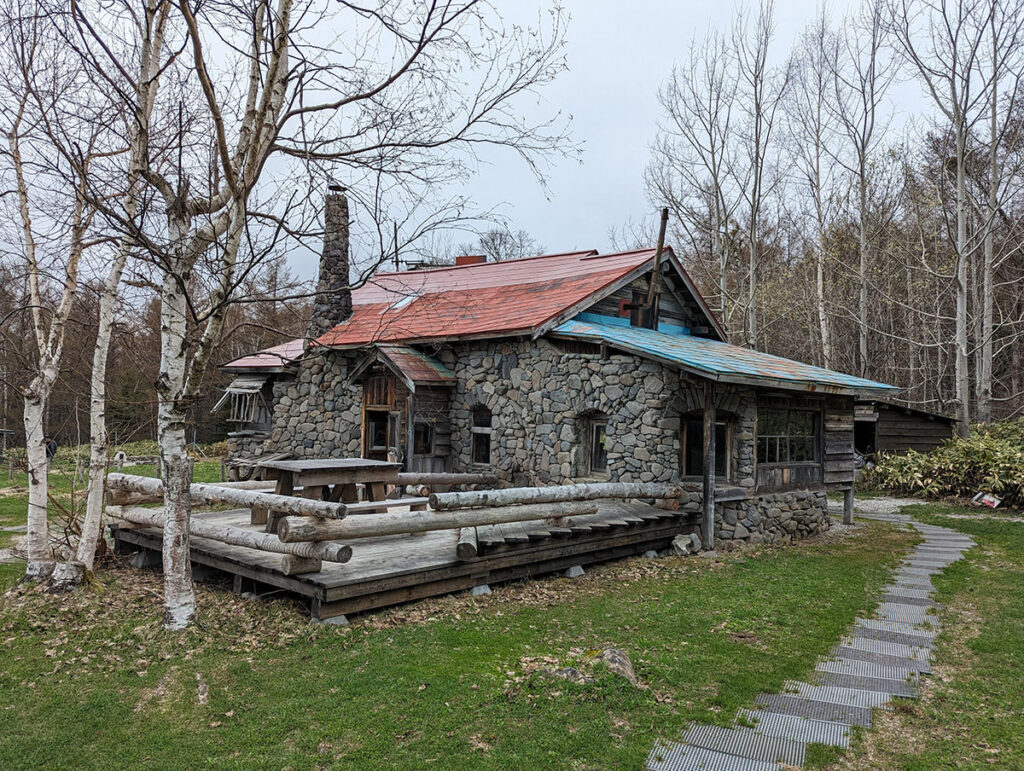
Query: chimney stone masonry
(333, 302)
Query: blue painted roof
(716, 360)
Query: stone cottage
(551, 370)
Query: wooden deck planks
(391, 569)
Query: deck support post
(848, 506)
(708, 530)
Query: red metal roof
(417, 366)
(514, 297)
(270, 358)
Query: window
(481, 431)
(787, 436)
(598, 446)
(249, 408)
(693, 447)
(423, 439)
(377, 430)
(640, 315)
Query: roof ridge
(492, 264)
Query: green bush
(990, 459)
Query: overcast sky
(618, 55)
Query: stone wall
(246, 445)
(769, 518)
(540, 396)
(318, 414)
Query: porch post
(848, 506)
(709, 466)
(410, 432)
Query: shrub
(990, 459)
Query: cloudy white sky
(618, 55)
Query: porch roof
(715, 360)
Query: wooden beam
(298, 529)
(511, 496)
(210, 494)
(708, 534)
(442, 478)
(848, 506)
(237, 536)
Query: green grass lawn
(91, 680)
(971, 715)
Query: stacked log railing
(309, 530)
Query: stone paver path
(880, 658)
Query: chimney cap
(334, 186)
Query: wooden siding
(897, 431)
(673, 307)
(837, 441)
(835, 469)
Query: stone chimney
(333, 302)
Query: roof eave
(803, 386)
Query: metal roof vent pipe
(333, 302)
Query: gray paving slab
(919, 641)
(921, 594)
(905, 688)
(911, 570)
(903, 598)
(797, 728)
(801, 706)
(847, 697)
(746, 742)
(905, 614)
(883, 647)
(866, 669)
(922, 582)
(675, 756)
(853, 654)
(929, 629)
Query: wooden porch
(392, 569)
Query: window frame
(593, 425)
(479, 434)
(728, 422)
(815, 436)
(429, 426)
(372, 420)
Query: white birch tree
(249, 93)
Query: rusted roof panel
(417, 366)
(275, 358)
(503, 298)
(717, 360)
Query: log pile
(299, 558)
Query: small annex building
(887, 427)
(552, 370)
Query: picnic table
(329, 479)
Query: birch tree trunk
(176, 472)
(65, 575)
(40, 555)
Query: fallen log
(466, 548)
(298, 529)
(249, 499)
(442, 478)
(513, 496)
(236, 536)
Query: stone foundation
(770, 518)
